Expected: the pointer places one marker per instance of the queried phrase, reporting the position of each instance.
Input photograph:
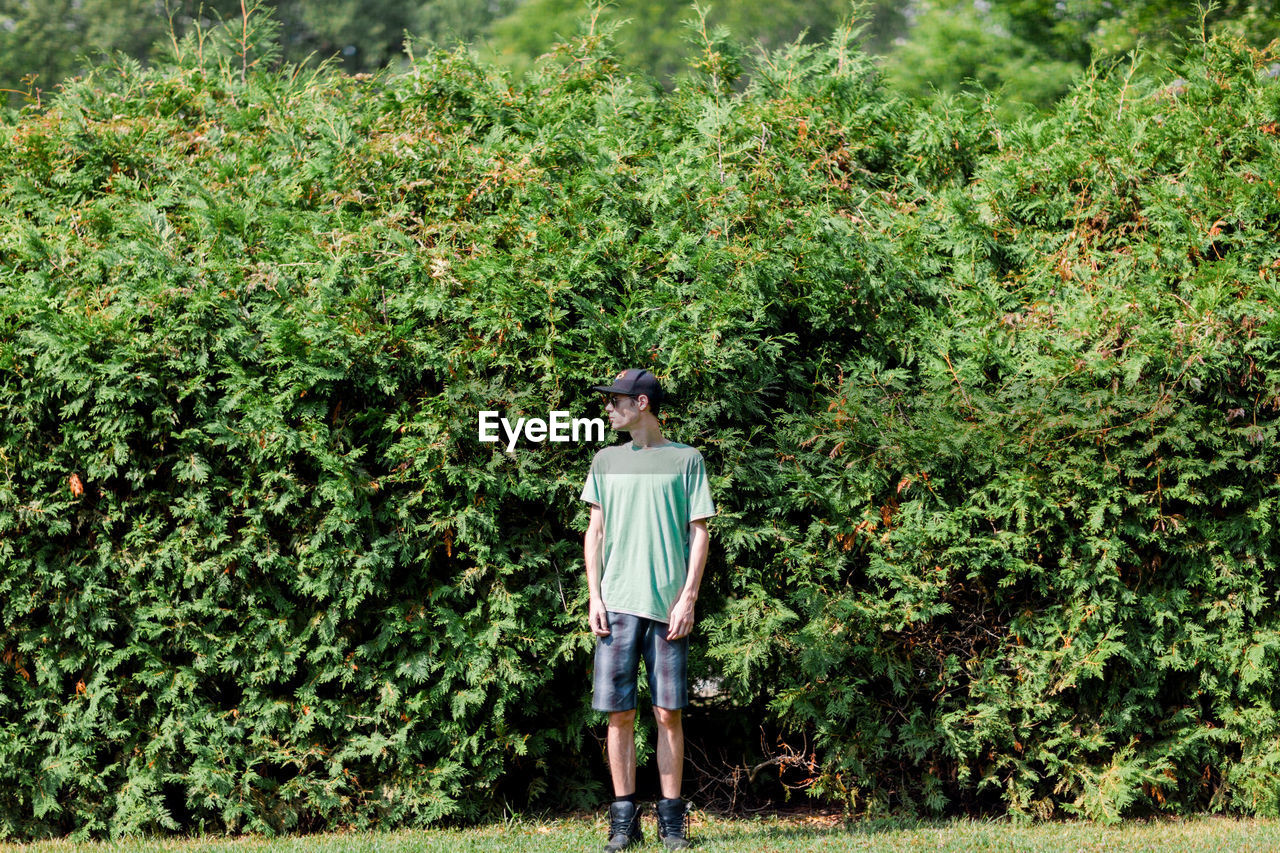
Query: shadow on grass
(749, 835)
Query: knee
(667, 718)
(622, 719)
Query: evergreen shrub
(990, 413)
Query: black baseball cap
(633, 382)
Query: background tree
(955, 47)
(369, 34)
(652, 34)
(1030, 51)
(56, 39)
(53, 39)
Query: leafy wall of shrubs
(1060, 584)
(990, 413)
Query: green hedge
(990, 413)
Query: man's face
(623, 411)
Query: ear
(642, 400)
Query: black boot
(624, 826)
(673, 823)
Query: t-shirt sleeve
(699, 491)
(591, 488)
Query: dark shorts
(618, 665)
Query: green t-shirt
(648, 497)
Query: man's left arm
(680, 620)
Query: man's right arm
(593, 548)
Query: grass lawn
(763, 835)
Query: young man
(645, 550)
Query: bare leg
(670, 751)
(621, 744)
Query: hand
(680, 619)
(599, 617)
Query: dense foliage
(990, 412)
(1058, 499)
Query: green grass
(766, 835)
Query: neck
(648, 433)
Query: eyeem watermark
(558, 427)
